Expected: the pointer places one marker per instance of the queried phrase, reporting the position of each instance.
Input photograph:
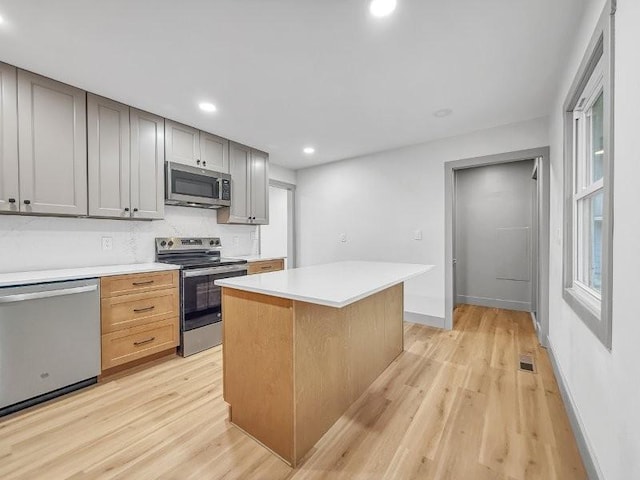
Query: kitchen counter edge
(15, 279)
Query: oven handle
(199, 272)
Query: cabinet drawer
(136, 283)
(130, 344)
(131, 310)
(266, 266)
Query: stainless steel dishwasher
(49, 341)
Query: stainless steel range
(200, 299)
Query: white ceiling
(290, 73)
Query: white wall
(35, 243)
(379, 200)
(282, 174)
(605, 386)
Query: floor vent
(527, 364)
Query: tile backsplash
(42, 243)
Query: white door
(53, 146)
(109, 157)
(147, 165)
(9, 187)
(276, 238)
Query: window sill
(586, 307)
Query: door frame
(291, 227)
(541, 156)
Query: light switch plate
(417, 235)
(343, 237)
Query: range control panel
(191, 243)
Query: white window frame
(584, 187)
(594, 77)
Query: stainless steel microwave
(196, 187)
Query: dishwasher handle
(23, 297)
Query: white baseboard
(584, 446)
(495, 303)
(422, 319)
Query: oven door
(191, 185)
(201, 298)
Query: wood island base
(292, 368)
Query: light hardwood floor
(452, 406)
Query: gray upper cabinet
(126, 161)
(52, 135)
(108, 142)
(182, 143)
(214, 152)
(249, 187)
(147, 165)
(189, 146)
(9, 187)
(259, 187)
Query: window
(588, 163)
(588, 191)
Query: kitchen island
(301, 345)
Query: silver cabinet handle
(214, 270)
(23, 297)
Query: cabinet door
(182, 144)
(109, 154)
(147, 165)
(9, 189)
(52, 132)
(239, 162)
(214, 152)
(259, 187)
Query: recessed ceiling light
(309, 150)
(382, 8)
(207, 107)
(444, 112)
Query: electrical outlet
(343, 237)
(236, 240)
(254, 236)
(417, 235)
(107, 243)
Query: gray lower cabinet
(147, 165)
(52, 141)
(9, 187)
(126, 161)
(249, 169)
(190, 146)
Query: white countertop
(41, 276)
(333, 284)
(258, 258)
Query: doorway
(514, 265)
(494, 244)
(277, 239)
